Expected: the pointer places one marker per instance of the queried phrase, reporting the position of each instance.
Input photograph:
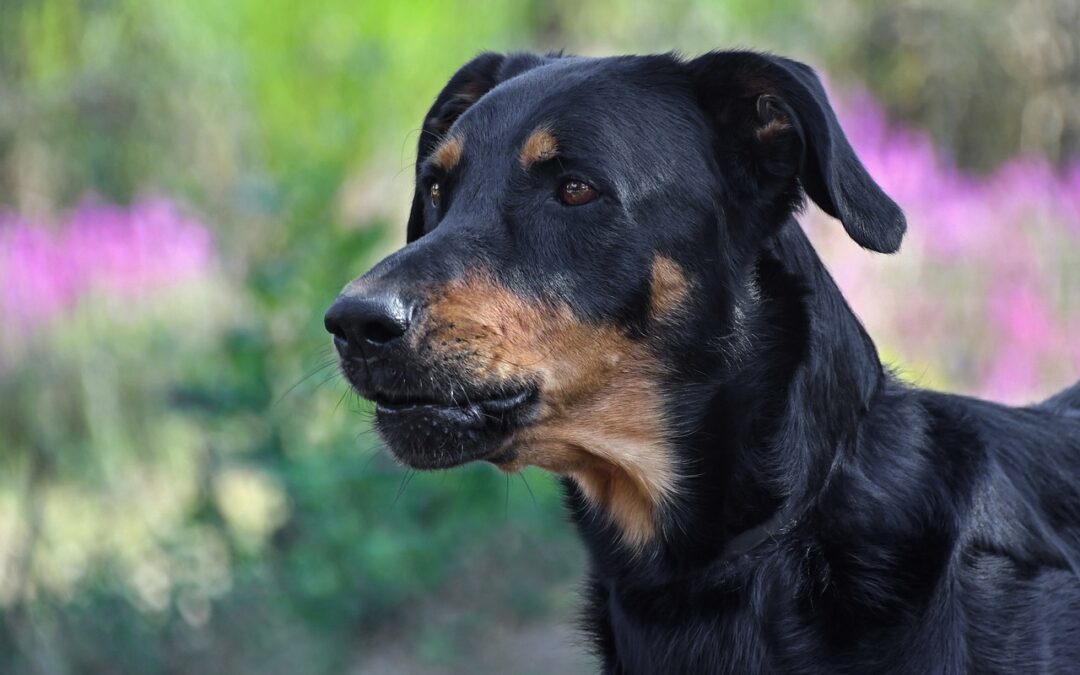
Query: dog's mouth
(462, 407)
(432, 432)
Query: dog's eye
(576, 193)
(436, 194)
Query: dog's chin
(430, 434)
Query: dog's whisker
(405, 480)
(506, 499)
(303, 379)
(528, 488)
(341, 400)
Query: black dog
(604, 279)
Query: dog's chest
(676, 632)
(752, 623)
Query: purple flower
(974, 296)
(98, 248)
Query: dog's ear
(465, 88)
(779, 107)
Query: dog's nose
(368, 323)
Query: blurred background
(185, 484)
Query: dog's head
(581, 240)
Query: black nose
(368, 323)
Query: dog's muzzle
(427, 409)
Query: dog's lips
(428, 433)
(466, 413)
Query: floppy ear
(779, 107)
(465, 88)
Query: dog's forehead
(592, 101)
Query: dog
(604, 278)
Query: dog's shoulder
(1015, 566)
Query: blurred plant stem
(20, 563)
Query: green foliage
(185, 482)
(185, 486)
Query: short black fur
(828, 518)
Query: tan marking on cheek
(539, 147)
(448, 154)
(669, 288)
(600, 421)
(612, 443)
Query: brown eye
(436, 194)
(576, 193)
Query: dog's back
(1012, 587)
(1065, 402)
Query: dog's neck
(778, 416)
(792, 382)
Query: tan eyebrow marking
(448, 154)
(540, 146)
